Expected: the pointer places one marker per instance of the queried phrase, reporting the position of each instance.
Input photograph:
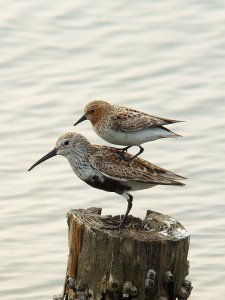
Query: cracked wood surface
(145, 260)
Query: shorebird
(103, 168)
(125, 126)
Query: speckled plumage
(102, 167)
(125, 126)
(108, 161)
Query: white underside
(136, 186)
(134, 138)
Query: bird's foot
(129, 160)
(111, 227)
(122, 155)
(111, 224)
(114, 227)
(109, 221)
(124, 149)
(122, 152)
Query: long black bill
(47, 156)
(83, 118)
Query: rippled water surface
(163, 57)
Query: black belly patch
(108, 185)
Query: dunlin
(125, 126)
(103, 168)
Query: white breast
(83, 169)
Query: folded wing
(129, 120)
(108, 161)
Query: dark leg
(124, 149)
(129, 206)
(140, 151)
(122, 154)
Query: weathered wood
(146, 260)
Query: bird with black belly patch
(102, 167)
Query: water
(162, 57)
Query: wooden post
(146, 260)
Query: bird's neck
(80, 163)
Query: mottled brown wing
(127, 119)
(109, 162)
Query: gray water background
(166, 58)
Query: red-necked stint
(103, 168)
(125, 126)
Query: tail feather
(169, 121)
(170, 177)
(169, 182)
(177, 183)
(168, 174)
(176, 135)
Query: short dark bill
(83, 118)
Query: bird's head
(68, 144)
(94, 111)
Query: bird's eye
(92, 111)
(66, 143)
